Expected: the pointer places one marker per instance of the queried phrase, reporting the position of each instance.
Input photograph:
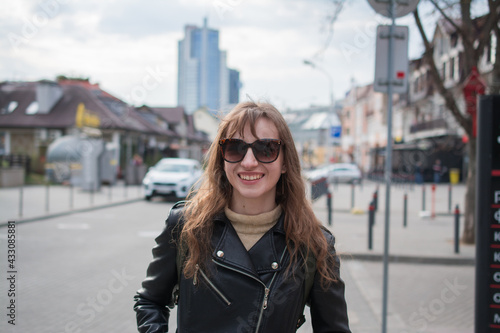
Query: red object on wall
(473, 86)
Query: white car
(344, 173)
(337, 173)
(171, 176)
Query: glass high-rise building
(203, 77)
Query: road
(79, 273)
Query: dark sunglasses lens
(234, 151)
(266, 151)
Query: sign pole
(388, 166)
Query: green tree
(476, 38)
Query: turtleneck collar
(250, 228)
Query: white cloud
(118, 42)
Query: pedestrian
(437, 169)
(245, 252)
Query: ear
(283, 168)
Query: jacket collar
(265, 256)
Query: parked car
(337, 173)
(171, 176)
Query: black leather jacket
(239, 291)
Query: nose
(249, 160)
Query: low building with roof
(34, 114)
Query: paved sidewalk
(35, 202)
(424, 239)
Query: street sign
(336, 131)
(403, 7)
(399, 80)
(487, 307)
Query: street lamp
(330, 80)
(330, 109)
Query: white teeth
(244, 177)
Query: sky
(129, 47)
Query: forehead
(263, 128)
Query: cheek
(228, 167)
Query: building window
(10, 107)
(492, 49)
(32, 108)
(452, 68)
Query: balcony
(429, 126)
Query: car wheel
(148, 197)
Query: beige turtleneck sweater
(250, 228)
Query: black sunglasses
(264, 150)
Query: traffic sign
(336, 131)
(399, 80)
(403, 7)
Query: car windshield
(172, 168)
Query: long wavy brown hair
(303, 229)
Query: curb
(81, 210)
(467, 261)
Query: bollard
(47, 197)
(21, 201)
(371, 222)
(91, 195)
(433, 200)
(457, 228)
(449, 198)
(405, 209)
(70, 196)
(352, 196)
(423, 197)
(375, 199)
(329, 197)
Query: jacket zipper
(214, 288)
(267, 289)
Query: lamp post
(330, 109)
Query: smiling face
(253, 182)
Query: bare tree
(475, 38)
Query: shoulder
(330, 238)
(175, 215)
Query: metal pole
(21, 201)
(329, 197)
(457, 227)
(371, 222)
(449, 198)
(388, 168)
(70, 196)
(433, 201)
(47, 197)
(423, 197)
(405, 210)
(352, 196)
(91, 194)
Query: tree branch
(466, 123)
(447, 18)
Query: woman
(246, 251)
